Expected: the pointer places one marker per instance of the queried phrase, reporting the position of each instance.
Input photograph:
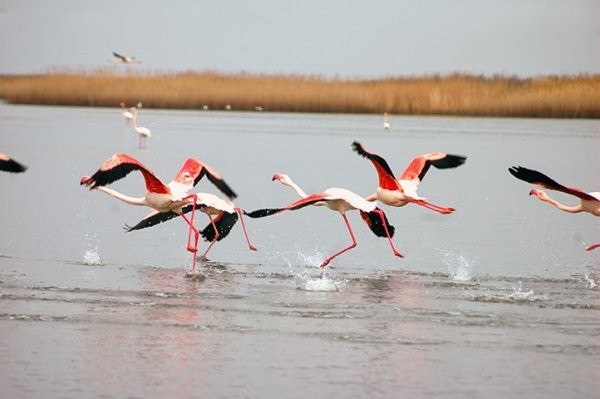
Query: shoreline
(451, 95)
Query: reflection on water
(497, 300)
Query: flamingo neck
(562, 207)
(120, 196)
(296, 188)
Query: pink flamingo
(126, 114)
(339, 200)
(142, 132)
(162, 198)
(7, 164)
(400, 192)
(589, 202)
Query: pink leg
(592, 247)
(250, 246)
(192, 248)
(436, 208)
(326, 262)
(215, 239)
(387, 233)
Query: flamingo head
(280, 177)
(538, 193)
(87, 180)
(122, 104)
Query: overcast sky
(353, 38)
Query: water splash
(91, 257)
(519, 294)
(459, 267)
(587, 275)
(303, 278)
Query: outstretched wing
(224, 222)
(310, 200)
(540, 179)
(419, 166)
(119, 56)
(384, 172)
(156, 217)
(374, 221)
(8, 164)
(197, 170)
(117, 167)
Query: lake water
(496, 300)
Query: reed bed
(458, 94)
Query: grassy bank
(550, 96)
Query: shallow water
(498, 299)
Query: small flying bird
(169, 200)
(589, 202)
(7, 164)
(125, 59)
(142, 132)
(402, 191)
(339, 200)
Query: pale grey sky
(327, 37)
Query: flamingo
(7, 164)
(125, 59)
(589, 202)
(125, 113)
(162, 198)
(400, 192)
(342, 201)
(386, 123)
(219, 227)
(143, 132)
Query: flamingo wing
(117, 167)
(310, 200)
(8, 164)
(419, 166)
(386, 176)
(119, 56)
(540, 179)
(374, 221)
(224, 222)
(197, 170)
(156, 217)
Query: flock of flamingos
(173, 199)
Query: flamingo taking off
(162, 198)
(402, 191)
(126, 114)
(340, 200)
(7, 164)
(125, 59)
(143, 132)
(589, 202)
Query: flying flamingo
(404, 190)
(162, 198)
(126, 114)
(7, 164)
(125, 59)
(589, 202)
(340, 200)
(143, 132)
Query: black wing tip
(450, 161)
(260, 213)
(521, 173)
(12, 166)
(359, 149)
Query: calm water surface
(498, 299)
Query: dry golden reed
(458, 94)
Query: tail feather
(224, 222)
(373, 220)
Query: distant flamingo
(169, 199)
(125, 59)
(400, 192)
(126, 114)
(340, 200)
(590, 202)
(7, 164)
(143, 132)
(386, 123)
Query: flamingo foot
(325, 263)
(398, 254)
(592, 247)
(191, 248)
(252, 248)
